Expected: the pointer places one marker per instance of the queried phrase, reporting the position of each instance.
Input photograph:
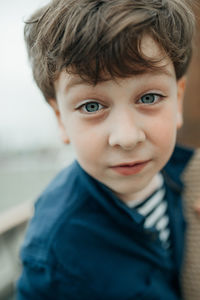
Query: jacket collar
(173, 170)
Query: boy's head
(113, 71)
(101, 39)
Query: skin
(197, 207)
(121, 126)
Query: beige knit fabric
(191, 267)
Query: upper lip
(130, 164)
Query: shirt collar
(172, 174)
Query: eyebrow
(161, 71)
(76, 81)
(79, 81)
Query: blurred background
(29, 140)
(31, 152)
(190, 133)
(30, 149)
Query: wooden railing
(13, 224)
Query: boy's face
(123, 131)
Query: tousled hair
(101, 39)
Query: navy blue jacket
(83, 243)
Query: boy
(110, 226)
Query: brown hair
(97, 37)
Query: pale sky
(26, 121)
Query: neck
(132, 199)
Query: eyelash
(159, 97)
(83, 106)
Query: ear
(181, 84)
(63, 133)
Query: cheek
(162, 132)
(87, 141)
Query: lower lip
(135, 169)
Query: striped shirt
(154, 209)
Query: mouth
(130, 168)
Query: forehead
(150, 49)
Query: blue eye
(149, 98)
(92, 107)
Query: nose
(126, 131)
